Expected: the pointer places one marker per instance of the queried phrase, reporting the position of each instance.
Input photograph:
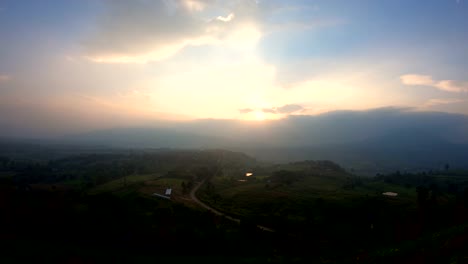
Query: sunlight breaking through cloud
(155, 31)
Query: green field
(315, 209)
(269, 200)
(122, 183)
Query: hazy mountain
(148, 137)
(380, 139)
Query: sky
(77, 65)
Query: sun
(260, 116)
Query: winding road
(204, 205)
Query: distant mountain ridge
(399, 137)
(331, 128)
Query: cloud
(196, 5)
(285, 109)
(452, 86)
(226, 19)
(143, 28)
(270, 110)
(427, 80)
(141, 31)
(246, 110)
(4, 78)
(289, 109)
(416, 79)
(438, 101)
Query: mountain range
(369, 141)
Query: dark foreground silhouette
(47, 216)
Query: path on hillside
(204, 205)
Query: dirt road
(202, 204)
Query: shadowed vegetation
(89, 205)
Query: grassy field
(147, 183)
(266, 199)
(122, 183)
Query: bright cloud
(439, 101)
(452, 86)
(236, 88)
(244, 59)
(285, 109)
(226, 19)
(416, 79)
(289, 108)
(143, 31)
(196, 5)
(246, 110)
(427, 80)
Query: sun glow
(259, 116)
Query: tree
(423, 195)
(285, 177)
